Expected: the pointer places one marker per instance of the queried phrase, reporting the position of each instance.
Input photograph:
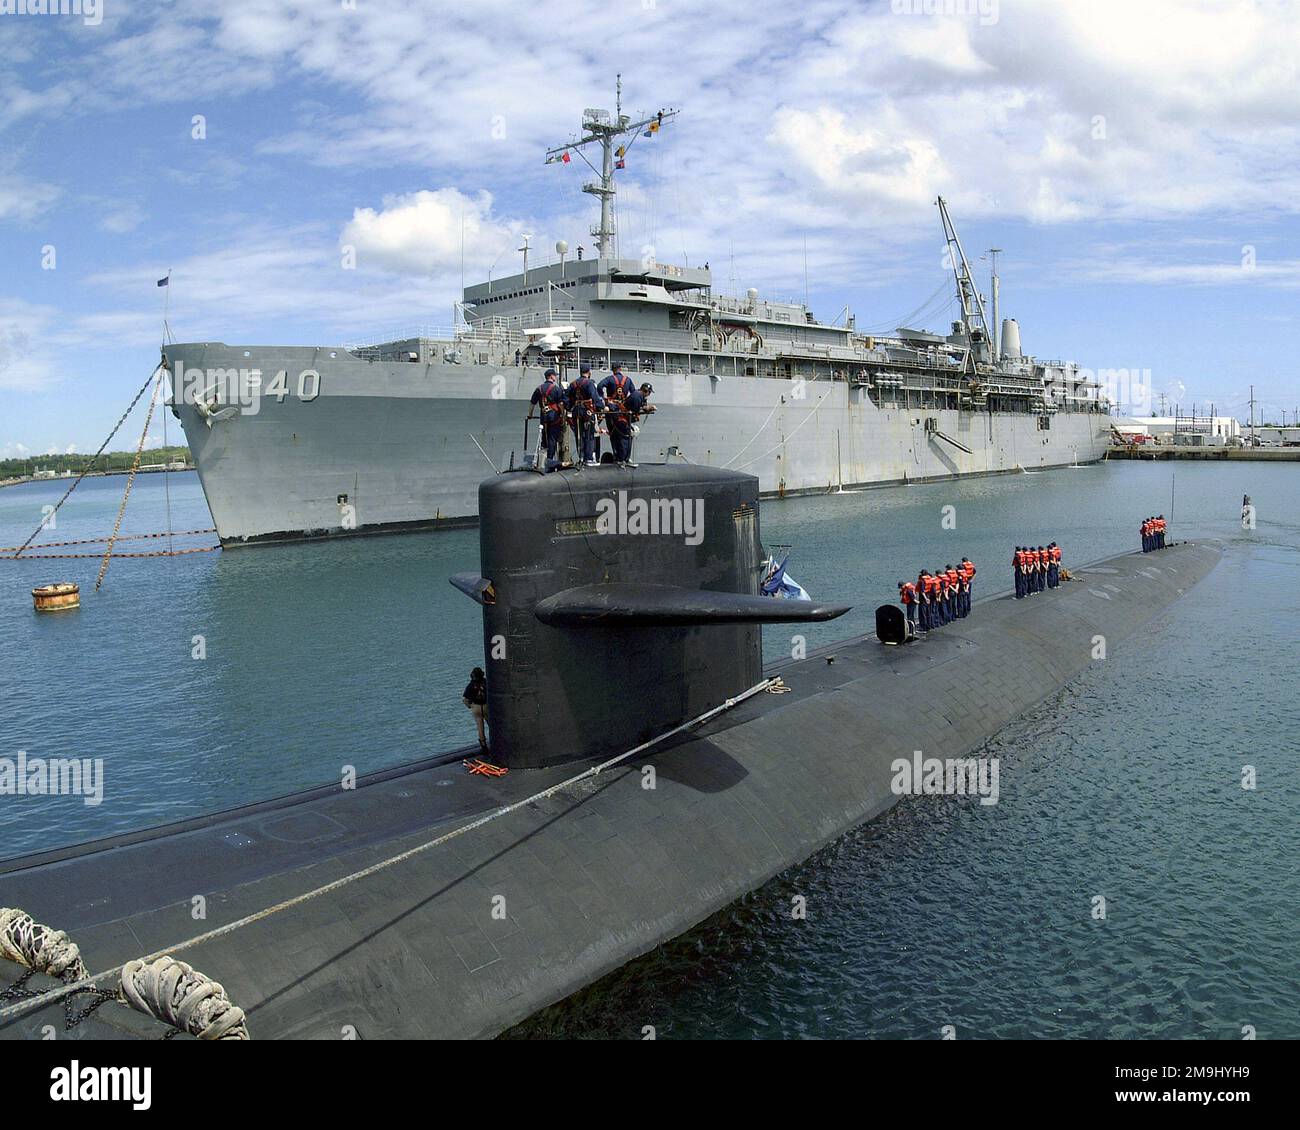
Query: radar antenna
(599, 129)
(972, 305)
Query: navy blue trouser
(587, 440)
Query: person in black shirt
(475, 699)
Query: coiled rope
(169, 990)
(178, 995)
(13, 1010)
(41, 949)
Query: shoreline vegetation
(56, 468)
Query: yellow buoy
(57, 597)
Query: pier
(1155, 453)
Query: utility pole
(1252, 414)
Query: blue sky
(1137, 162)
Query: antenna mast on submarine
(972, 305)
(599, 129)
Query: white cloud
(25, 365)
(23, 199)
(428, 231)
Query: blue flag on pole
(164, 282)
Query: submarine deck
(591, 876)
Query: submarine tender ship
(301, 442)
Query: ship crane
(600, 129)
(974, 324)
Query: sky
(325, 172)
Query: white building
(1197, 431)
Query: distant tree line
(109, 461)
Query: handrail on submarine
(13, 1011)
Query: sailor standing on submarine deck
(585, 400)
(638, 403)
(907, 595)
(617, 390)
(549, 397)
(923, 599)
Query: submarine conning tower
(618, 604)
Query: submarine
(654, 772)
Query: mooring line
(101, 541)
(115, 556)
(89, 464)
(24, 1006)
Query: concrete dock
(1158, 453)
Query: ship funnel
(1011, 339)
(618, 604)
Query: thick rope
(21, 1007)
(89, 464)
(176, 994)
(130, 480)
(38, 947)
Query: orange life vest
(908, 594)
(1056, 554)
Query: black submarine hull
(473, 936)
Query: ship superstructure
(382, 435)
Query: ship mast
(972, 305)
(600, 130)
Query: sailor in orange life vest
(967, 568)
(907, 597)
(923, 600)
(549, 397)
(1147, 532)
(1018, 567)
(1160, 531)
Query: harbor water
(215, 679)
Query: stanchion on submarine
(617, 605)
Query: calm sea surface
(1127, 784)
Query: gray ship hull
(377, 446)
